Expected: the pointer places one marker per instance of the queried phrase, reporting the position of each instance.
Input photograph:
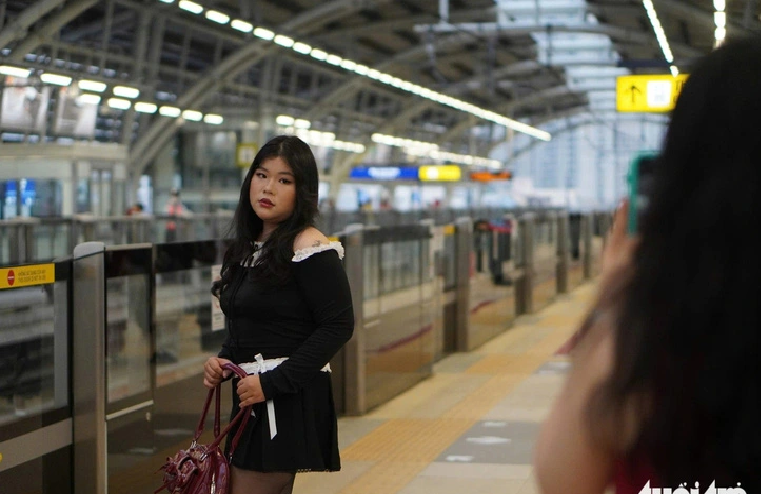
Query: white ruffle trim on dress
(303, 254)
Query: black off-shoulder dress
(307, 320)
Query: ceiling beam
(50, 28)
(27, 18)
(162, 129)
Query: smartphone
(640, 180)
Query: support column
(354, 389)
(89, 373)
(564, 255)
(463, 247)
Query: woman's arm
(325, 288)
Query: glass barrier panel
(128, 342)
(34, 351)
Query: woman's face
(273, 191)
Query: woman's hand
(620, 246)
(213, 373)
(250, 391)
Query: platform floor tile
(468, 429)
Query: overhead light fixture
(431, 150)
(212, 118)
(166, 1)
(216, 16)
(264, 34)
(302, 48)
(300, 123)
(192, 115)
(119, 104)
(348, 65)
(720, 19)
(365, 71)
(126, 92)
(145, 107)
(242, 26)
(284, 120)
(660, 34)
(192, 7)
(169, 111)
(58, 80)
(89, 85)
(334, 60)
(283, 41)
(318, 54)
(14, 71)
(91, 99)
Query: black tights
(250, 482)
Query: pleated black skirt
(307, 432)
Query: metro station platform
(471, 426)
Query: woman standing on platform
(665, 387)
(288, 307)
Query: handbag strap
(243, 414)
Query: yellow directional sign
(648, 93)
(245, 153)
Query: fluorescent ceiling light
(169, 111)
(720, 5)
(283, 41)
(144, 107)
(88, 85)
(334, 60)
(260, 32)
(192, 115)
(126, 92)
(318, 54)
(92, 99)
(284, 120)
(58, 80)
(212, 118)
(348, 65)
(300, 123)
(720, 19)
(14, 71)
(167, 1)
(216, 16)
(361, 69)
(242, 26)
(191, 7)
(302, 48)
(119, 104)
(674, 71)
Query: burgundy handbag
(204, 469)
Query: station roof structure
(447, 72)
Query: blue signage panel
(385, 173)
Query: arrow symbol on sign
(634, 89)
(459, 458)
(488, 440)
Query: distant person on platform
(136, 210)
(175, 209)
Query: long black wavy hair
(275, 262)
(688, 329)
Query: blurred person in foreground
(288, 309)
(665, 388)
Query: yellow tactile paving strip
(404, 440)
(420, 424)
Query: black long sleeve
(325, 289)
